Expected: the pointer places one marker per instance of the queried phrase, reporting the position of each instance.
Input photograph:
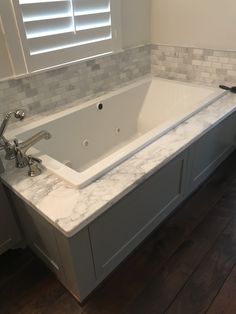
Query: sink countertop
(70, 209)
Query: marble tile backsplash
(47, 91)
(55, 89)
(205, 66)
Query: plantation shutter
(59, 31)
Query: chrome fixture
(19, 114)
(23, 160)
(34, 168)
(4, 143)
(18, 150)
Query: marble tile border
(205, 66)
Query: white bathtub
(92, 141)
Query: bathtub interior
(168, 100)
(88, 136)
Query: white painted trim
(191, 47)
(116, 25)
(12, 37)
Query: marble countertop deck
(70, 209)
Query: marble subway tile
(59, 87)
(196, 65)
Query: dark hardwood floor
(188, 265)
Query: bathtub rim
(87, 176)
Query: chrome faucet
(22, 159)
(19, 114)
(16, 150)
(4, 143)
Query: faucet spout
(24, 146)
(19, 114)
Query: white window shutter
(54, 32)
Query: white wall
(135, 22)
(199, 23)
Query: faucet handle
(20, 114)
(34, 168)
(33, 159)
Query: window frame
(61, 57)
(12, 38)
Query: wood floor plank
(166, 283)
(225, 301)
(13, 262)
(41, 296)
(66, 304)
(207, 280)
(15, 291)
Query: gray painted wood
(69, 258)
(39, 235)
(210, 150)
(77, 258)
(118, 231)
(9, 232)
